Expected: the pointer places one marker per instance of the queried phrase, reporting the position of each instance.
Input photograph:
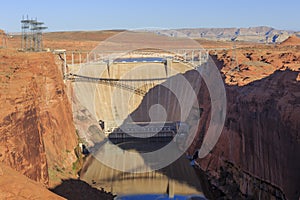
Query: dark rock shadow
(79, 190)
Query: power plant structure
(32, 34)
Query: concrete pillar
(207, 55)
(168, 66)
(108, 68)
(72, 58)
(95, 59)
(193, 57)
(87, 57)
(80, 59)
(65, 65)
(200, 58)
(171, 188)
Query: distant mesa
(262, 34)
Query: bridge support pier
(65, 66)
(80, 59)
(171, 188)
(168, 64)
(193, 57)
(72, 58)
(200, 58)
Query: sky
(64, 15)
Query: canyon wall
(36, 126)
(261, 135)
(257, 155)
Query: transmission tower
(25, 25)
(32, 35)
(37, 30)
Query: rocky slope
(37, 136)
(293, 40)
(257, 153)
(242, 66)
(14, 185)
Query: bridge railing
(195, 56)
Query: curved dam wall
(161, 102)
(113, 101)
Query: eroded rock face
(242, 66)
(14, 185)
(257, 155)
(37, 136)
(291, 41)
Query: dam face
(112, 98)
(138, 113)
(127, 86)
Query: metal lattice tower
(32, 32)
(25, 33)
(37, 29)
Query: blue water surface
(147, 59)
(159, 197)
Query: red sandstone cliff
(37, 136)
(14, 185)
(257, 155)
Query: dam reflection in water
(177, 178)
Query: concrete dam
(137, 115)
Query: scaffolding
(32, 34)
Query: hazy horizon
(183, 28)
(94, 15)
